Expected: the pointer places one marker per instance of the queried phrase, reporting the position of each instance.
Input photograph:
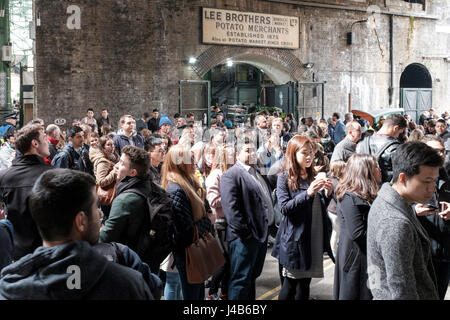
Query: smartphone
(321, 175)
(433, 203)
(431, 206)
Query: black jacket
(121, 254)
(285, 137)
(121, 140)
(51, 274)
(183, 220)
(243, 205)
(439, 229)
(350, 275)
(88, 166)
(53, 151)
(6, 243)
(376, 144)
(69, 158)
(16, 183)
(292, 245)
(153, 124)
(141, 125)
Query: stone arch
(280, 65)
(416, 75)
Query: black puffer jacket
(376, 143)
(182, 217)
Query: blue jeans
(172, 290)
(246, 264)
(190, 291)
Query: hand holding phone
(424, 210)
(445, 210)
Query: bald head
(353, 131)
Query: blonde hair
(337, 168)
(221, 157)
(416, 135)
(174, 171)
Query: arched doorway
(272, 75)
(416, 75)
(416, 90)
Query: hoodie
(53, 273)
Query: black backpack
(156, 239)
(365, 148)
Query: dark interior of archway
(415, 76)
(248, 87)
(237, 84)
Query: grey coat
(398, 251)
(343, 150)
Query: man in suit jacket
(399, 255)
(247, 205)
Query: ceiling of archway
(277, 73)
(280, 65)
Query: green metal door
(415, 101)
(195, 97)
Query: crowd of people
(374, 197)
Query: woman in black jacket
(303, 233)
(188, 211)
(355, 194)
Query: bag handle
(196, 237)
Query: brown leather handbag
(106, 196)
(203, 258)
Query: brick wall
(128, 55)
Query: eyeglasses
(441, 151)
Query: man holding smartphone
(399, 250)
(434, 216)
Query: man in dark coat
(6, 242)
(104, 119)
(153, 123)
(70, 156)
(16, 183)
(127, 134)
(53, 133)
(247, 205)
(142, 123)
(437, 222)
(67, 267)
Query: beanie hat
(164, 120)
(228, 124)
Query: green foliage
(269, 109)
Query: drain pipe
(391, 46)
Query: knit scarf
(53, 141)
